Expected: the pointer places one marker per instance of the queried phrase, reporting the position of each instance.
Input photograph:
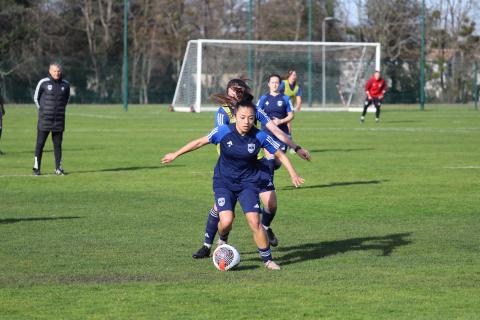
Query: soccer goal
(331, 75)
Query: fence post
(475, 85)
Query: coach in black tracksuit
(51, 97)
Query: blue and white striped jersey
(275, 107)
(237, 167)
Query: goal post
(209, 64)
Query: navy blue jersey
(237, 167)
(223, 117)
(275, 107)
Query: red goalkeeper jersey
(375, 88)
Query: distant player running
(236, 176)
(375, 89)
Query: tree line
(86, 36)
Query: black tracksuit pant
(376, 102)
(57, 137)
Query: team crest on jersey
(279, 103)
(49, 87)
(221, 202)
(251, 147)
(63, 88)
(229, 143)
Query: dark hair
(238, 82)
(241, 89)
(246, 101)
(289, 72)
(274, 75)
(224, 99)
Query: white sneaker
(377, 120)
(362, 119)
(270, 265)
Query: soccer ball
(225, 257)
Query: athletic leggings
(376, 102)
(57, 138)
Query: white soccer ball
(225, 257)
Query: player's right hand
(169, 157)
(297, 181)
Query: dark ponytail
(247, 101)
(242, 91)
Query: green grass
(386, 226)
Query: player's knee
(226, 220)
(255, 225)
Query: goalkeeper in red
(375, 89)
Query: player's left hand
(304, 154)
(380, 97)
(297, 181)
(169, 157)
(276, 121)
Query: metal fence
(446, 82)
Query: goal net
(331, 75)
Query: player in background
(2, 113)
(236, 88)
(375, 89)
(289, 87)
(278, 108)
(236, 175)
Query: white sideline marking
(92, 115)
(463, 167)
(205, 131)
(459, 130)
(102, 116)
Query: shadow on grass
(340, 150)
(243, 268)
(310, 251)
(15, 220)
(335, 184)
(134, 168)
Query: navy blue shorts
(266, 170)
(226, 199)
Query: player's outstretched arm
(302, 153)
(192, 145)
(296, 179)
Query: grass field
(387, 225)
